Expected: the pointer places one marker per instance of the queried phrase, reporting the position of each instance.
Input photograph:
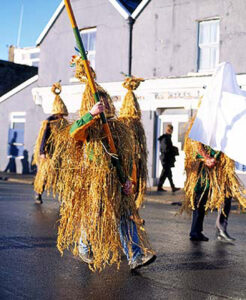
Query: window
(240, 167)
(208, 45)
(34, 55)
(35, 64)
(16, 134)
(89, 40)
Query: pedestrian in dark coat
(167, 157)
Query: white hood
(221, 118)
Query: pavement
(19, 178)
(151, 195)
(31, 267)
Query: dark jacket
(168, 151)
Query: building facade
(176, 45)
(26, 56)
(20, 120)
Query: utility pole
(130, 22)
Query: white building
(26, 56)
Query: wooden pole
(92, 84)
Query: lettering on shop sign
(140, 97)
(188, 94)
(119, 98)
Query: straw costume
(209, 186)
(45, 145)
(94, 210)
(130, 114)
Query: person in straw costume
(130, 114)
(211, 183)
(45, 144)
(97, 201)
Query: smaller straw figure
(45, 146)
(211, 183)
(130, 114)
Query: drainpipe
(130, 22)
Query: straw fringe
(90, 194)
(222, 178)
(48, 168)
(130, 114)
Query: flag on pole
(221, 118)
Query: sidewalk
(151, 195)
(164, 197)
(20, 178)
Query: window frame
(89, 52)
(17, 117)
(209, 45)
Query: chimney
(11, 53)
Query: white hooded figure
(221, 118)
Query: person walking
(167, 157)
(45, 144)
(97, 201)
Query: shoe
(142, 261)
(199, 238)
(136, 264)
(148, 259)
(222, 235)
(175, 189)
(160, 189)
(86, 257)
(38, 199)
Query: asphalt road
(32, 268)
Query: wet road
(32, 268)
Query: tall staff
(92, 85)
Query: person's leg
(129, 236)
(163, 176)
(224, 217)
(12, 167)
(84, 249)
(222, 221)
(38, 196)
(198, 217)
(8, 166)
(170, 178)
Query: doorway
(179, 118)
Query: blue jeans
(129, 235)
(83, 248)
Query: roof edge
(120, 8)
(50, 23)
(19, 88)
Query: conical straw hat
(88, 100)
(130, 107)
(59, 106)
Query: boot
(222, 235)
